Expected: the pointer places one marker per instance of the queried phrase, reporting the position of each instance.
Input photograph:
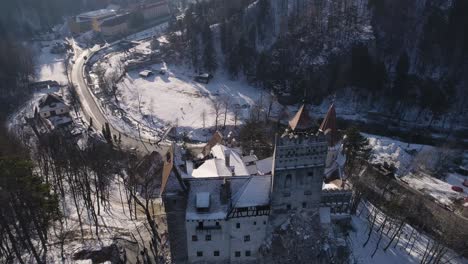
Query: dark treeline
(16, 68)
(28, 205)
(321, 48)
(28, 18)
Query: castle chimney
(225, 191)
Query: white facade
(53, 109)
(155, 10)
(234, 240)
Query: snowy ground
(394, 152)
(49, 66)
(411, 162)
(114, 223)
(176, 99)
(402, 253)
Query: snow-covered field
(175, 99)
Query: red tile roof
(302, 120)
(328, 126)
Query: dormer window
(203, 201)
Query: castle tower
(328, 129)
(298, 166)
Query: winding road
(92, 110)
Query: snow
(175, 98)
(256, 192)
(413, 162)
(265, 166)
(402, 253)
(394, 152)
(207, 216)
(211, 168)
(438, 189)
(50, 66)
(456, 179)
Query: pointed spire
(328, 126)
(302, 120)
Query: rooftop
(97, 14)
(302, 120)
(328, 126)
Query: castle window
(288, 206)
(217, 223)
(287, 181)
(237, 225)
(255, 223)
(264, 222)
(247, 238)
(216, 253)
(208, 237)
(247, 253)
(237, 254)
(304, 205)
(199, 253)
(194, 238)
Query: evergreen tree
(28, 208)
(209, 52)
(356, 147)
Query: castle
(233, 202)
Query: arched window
(287, 181)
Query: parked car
(457, 189)
(203, 78)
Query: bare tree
(203, 116)
(217, 105)
(226, 104)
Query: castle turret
(328, 129)
(298, 167)
(328, 126)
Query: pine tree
(356, 147)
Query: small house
(203, 78)
(52, 105)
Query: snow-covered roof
(239, 167)
(264, 166)
(252, 169)
(333, 185)
(220, 151)
(96, 14)
(217, 209)
(212, 168)
(203, 200)
(255, 192)
(249, 158)
(58, 121)
(145, 73)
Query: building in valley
(235, 202)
